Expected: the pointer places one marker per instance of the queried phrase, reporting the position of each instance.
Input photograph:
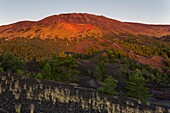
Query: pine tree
(100, 71)
(47, 72)
(109, 86)
(136, 86)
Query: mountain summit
(79, 25)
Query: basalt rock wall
(28, 95)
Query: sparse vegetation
(42, 59)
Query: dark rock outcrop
(28, 95)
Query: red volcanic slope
(79, 25)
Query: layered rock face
(27, 95)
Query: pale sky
(142, 11)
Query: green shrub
(85, 56)
(39, 76)
(109, 86)
(19, 72)
(1, 69)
